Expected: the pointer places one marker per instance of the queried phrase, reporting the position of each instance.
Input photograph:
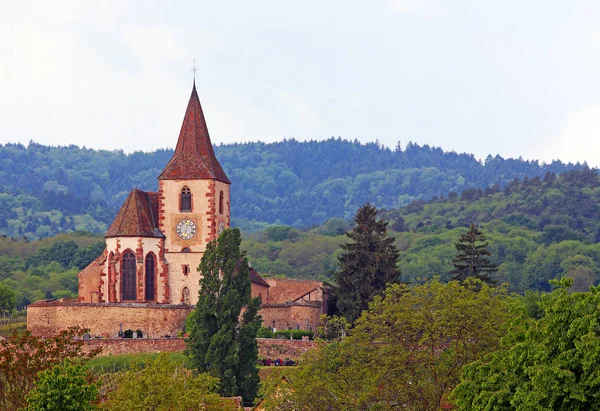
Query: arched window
(185, 296)
(150, 277)
(128, 277)
(186, 250)
(186, 199)
(221, 202)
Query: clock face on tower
(186, 229)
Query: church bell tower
(193, 201)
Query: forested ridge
(47, 190)
(537, 228)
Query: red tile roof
(194, 157)
(138, 217)
(285, 290)
(256, 278)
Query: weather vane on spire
(194, 70)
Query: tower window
(185, 296)
(221, 202)
(186, 250)
(186, 269)
(186, 199)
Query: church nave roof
(138, 217)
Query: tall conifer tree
(219, 343)
(472, 258)
(367, 264)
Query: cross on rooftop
(194, 70)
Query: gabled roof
(138, 217)
(285, 290)
(194, 157)
(256, 278)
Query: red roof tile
(194, 157)
(256, 278)
(286, 290)
(138, 217)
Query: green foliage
(264, 332)
(68, 386)
(47, 190)
(115, 363)
(6, 330)
(23, 357)
(8, 298)
(295, 334)
(548, 363)
(405, 352)
(160, 384)
(46, 268)
(367, 265)
(218, 342)
(333, 328)
(472, 257)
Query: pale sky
(510, 78)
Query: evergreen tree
(472, 258)
(219, 344)
(367, 264)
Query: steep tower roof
(138, 217)
(194, 157)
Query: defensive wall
(267, 348)
(46, 318)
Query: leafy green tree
(405, 352)
(545, 364)
(23, 357)
(8, 298)
(68, 386)
(219, 343)
(367, 265)
(333, 327)
(472, 258)
(161, 384)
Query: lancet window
(186, 199)
(150, 276)
(128, 277)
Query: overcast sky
(510, 78)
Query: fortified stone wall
(155, 320)
(267, 348)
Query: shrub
(264, 332)
(296, 334)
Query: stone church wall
(155, 320)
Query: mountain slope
(45, 190)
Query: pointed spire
(194, 157)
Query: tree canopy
(161, 384)
(472, 257)
(219, 343)
(405, 352)
(367, 264)
(68, 386)
(47, 190)
(550, 363)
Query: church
(146, 279)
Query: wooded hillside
(46, 190)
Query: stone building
(146, 277)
